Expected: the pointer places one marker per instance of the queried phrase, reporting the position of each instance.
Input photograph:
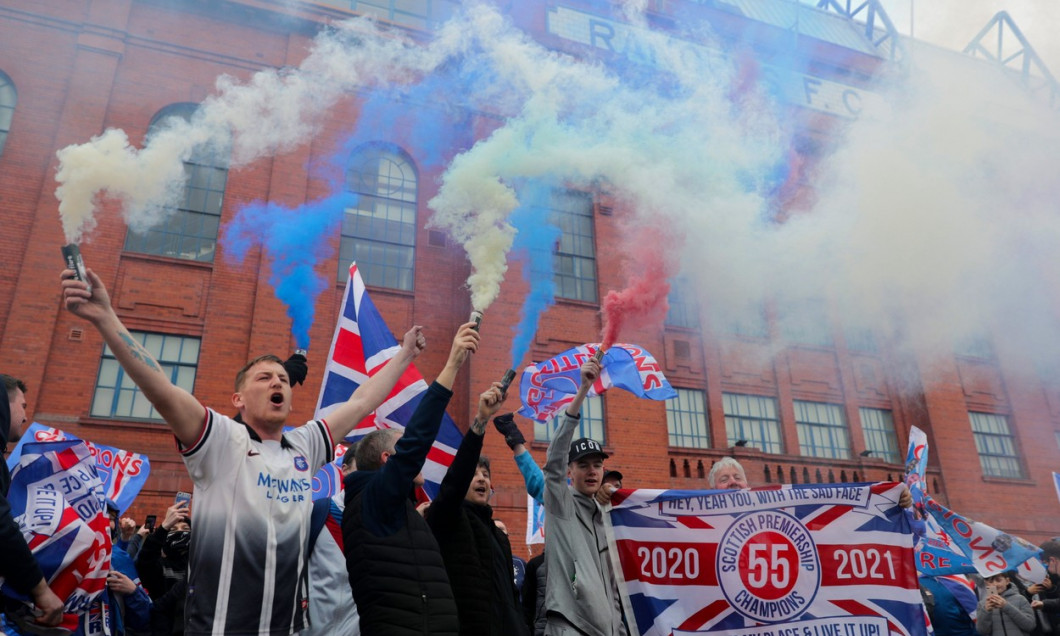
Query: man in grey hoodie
(581, 596)
(1004, 611)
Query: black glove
(296, 368)
(506, 426)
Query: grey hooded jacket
(1016, 618)
(579, 587)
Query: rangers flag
(362, 345)
(123, 472)
(547, 387)
(56, 498)
(822, 560)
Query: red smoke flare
(654, 252)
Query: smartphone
(149, 523)
(182, 496)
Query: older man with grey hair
(727, 474)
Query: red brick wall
(116, 64)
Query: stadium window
(117, 396)
(996, 445)
(822, 431)
(190, 228)
(591, 424)
(974, 346)
(861, 339)
(8, 98)
(752, 418)
(575, 257)
(683, 310)
(807, 323)
(686, 419)
(748, 321)
(418, 14)
(379, 231)
(878, 427)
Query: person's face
(586, 474)
(479, 491)
(997, 584)
(730, 477)
(614, 481)
(18, 413)
(265, 396)
(1052, 564)
(180, 526)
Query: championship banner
(986, 550)
(547, 387)
(56, 497)
(820, 560)
(123, 473)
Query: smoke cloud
(933, 216)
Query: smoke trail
(273, 111)
(534, 242)
(294, 242)
(645, 296)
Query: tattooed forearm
(479, 427)
(137, 350)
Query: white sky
(953, 23)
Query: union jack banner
(56, 497)
(123, 472)
(821, 560)
(549, 386)
(362, 345)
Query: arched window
(379, 231)
(8, 97)
(190, 229)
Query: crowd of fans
(264, 558)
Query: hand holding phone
(182, 497)
(149, 523)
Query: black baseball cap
(583, 448)
(612, 474)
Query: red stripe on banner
(856, 608)
(867, 564)
(661, 563)
(439, 456)
(349, 351)
(705, 615)
(828, 516)
(691, 522)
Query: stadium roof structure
(1003, 43)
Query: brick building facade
(75, 68)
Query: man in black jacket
(18, 567)
(476, 552)
(396, 571)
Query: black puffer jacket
(477, 554)
(399, 581)
(396, 572)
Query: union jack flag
(56, 497)
(822, 560)
(362, 345)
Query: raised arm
(557, 500)
(446, 506)
(184, 414)
(375, 390)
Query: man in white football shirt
(253, 482)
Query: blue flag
(547, 387)
(123, 473)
